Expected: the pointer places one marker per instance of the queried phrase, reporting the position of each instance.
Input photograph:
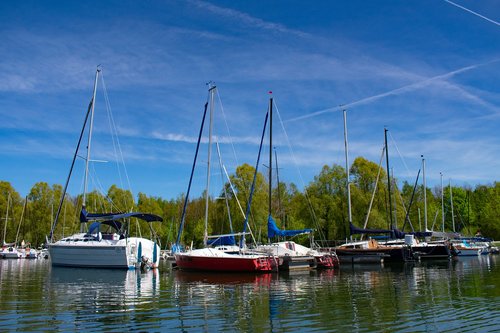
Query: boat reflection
(196, 278)
(96, 289)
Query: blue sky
(428, 70)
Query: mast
(85, 183)
(442, 200)
(270, 152)
(77, 149)
(393, 183)
(22, 217)
(211, 91)
(451, 203)
(388, 177)
(348, 183)
(6, 219)
(280, 213)
(425, 192)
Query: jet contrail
(472, 12)
(409, 87)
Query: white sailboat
(106, 243)
(9, 250)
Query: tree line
(321, 205)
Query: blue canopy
(274, 231)
(85, 216)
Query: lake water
(459, 295)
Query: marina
(189, 166)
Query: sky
(427, 70)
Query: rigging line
(227, 127)
(472, 12)
(221, 165)
(117, 143)
(400, 155)
(114, 132)
(298, 170)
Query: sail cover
(223, 240)
(395, 233)
(274, 231)
(85, 216)
(355, 230)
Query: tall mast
(280, 213)
(388, 177)
(451, 203)
(270, 152)
(442, 201)
(425, 193)
(85, 183)
(6, 219)
(211, 91)
(348, 183)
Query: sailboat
(431, 249)
(463, 246)
(106, 243)
(371, 250)
(292, 256)
(9, 250)
(224, 256)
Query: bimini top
(86, 216)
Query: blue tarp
(86, 217)
(274, 231)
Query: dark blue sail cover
(85, 216)
(223, 240)
(274, 231)
(355, 230)
(395, 233)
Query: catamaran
(107, 242)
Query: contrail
(472, 12)
(409, 87)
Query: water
(461, 295)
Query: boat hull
(468, 251)
(10, 253)
(122, 254)
(230, 263)
(432, 251)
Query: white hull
(75, 251)
(10, 253)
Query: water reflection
(420, 296)
(123, 287)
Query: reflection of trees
(419, 296)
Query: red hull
(225, 264)
(327, 261)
